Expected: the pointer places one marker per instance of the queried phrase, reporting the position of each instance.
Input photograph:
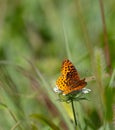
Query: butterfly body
(69, 81)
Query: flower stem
(73, 109)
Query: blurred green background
(35, 37)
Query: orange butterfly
(69, 81)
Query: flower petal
(57, 90)
(86, 90)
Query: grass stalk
(106, 44)
(73, 109)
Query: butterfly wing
(68, 67)
(61, 84)
(74, 85)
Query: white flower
(85, 90)
(57, 90)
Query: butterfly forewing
(69, 69)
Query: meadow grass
(36, 36)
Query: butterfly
(69, 81)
